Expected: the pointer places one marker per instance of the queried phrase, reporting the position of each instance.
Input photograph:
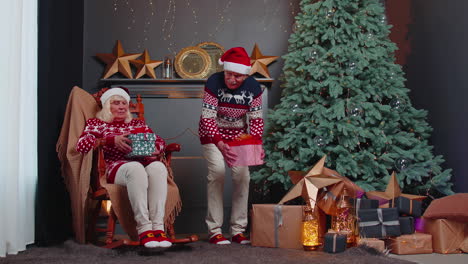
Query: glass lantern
(310, 229)
(344, 221)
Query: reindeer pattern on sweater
(227, 113)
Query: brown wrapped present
(417, 243)
(280, 225)
(376, 243)
(447, 235)
(464, 245)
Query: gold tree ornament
(117, 61)
(260, 62)
(145, 66)
(392, 191)
(309, 186)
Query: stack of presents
(343, 215)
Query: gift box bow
(380, 222)
(335, 236)
(141, 133)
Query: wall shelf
(167, 88)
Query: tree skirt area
(197, 252)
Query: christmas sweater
(227, 113)
(97, 129)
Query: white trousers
(147, 192)
(215, 189)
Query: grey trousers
(215, 189)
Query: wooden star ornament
(145, 66)
(329, 195)
(392, 191)
(260, 62)
(309, 185)
(117, 61)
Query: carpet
(197, 252)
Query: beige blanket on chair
(76, 171)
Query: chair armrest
(173, 147)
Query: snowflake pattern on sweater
(227, 113)
(96, 129)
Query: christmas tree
(345, 97)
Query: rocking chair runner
(100, 189)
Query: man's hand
(262, 154)
(228, 155)
(123, 143)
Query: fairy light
(115, 7)
(148, 20)
(169, 32)
(195, 22)
(132, 15)
(221, 16)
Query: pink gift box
(249, 152)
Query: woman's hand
(156, 152)
(228, 155)
(123, 143)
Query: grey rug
(197, 252)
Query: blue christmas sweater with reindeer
(226, 113)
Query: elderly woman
(145, 179)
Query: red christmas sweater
(96, 128)
(227, 113)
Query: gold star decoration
(117, 61)
(309, 185)
(392, 191)
(145, 66)
(259, 62)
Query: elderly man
(232, 106)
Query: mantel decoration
(215, 51)
(145, 66)
(260, 62)
(192, 63)
(117, 61)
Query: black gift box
(334, 243)
(406, 225)
(407, 206)
(378, 223)
(361, 203)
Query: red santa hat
(236, 60)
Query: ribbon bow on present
(380, 222)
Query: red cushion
(453, 207)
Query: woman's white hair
(106, 115)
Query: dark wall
(437, 76)
(227, 22)
(60, 67)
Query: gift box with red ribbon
(248, 151)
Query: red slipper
(162, 238)
(219, 239)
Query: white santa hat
(236, 60)
(115, 91)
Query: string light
(221, 16)
(148, 20)
(169, 33)
(195, 22)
